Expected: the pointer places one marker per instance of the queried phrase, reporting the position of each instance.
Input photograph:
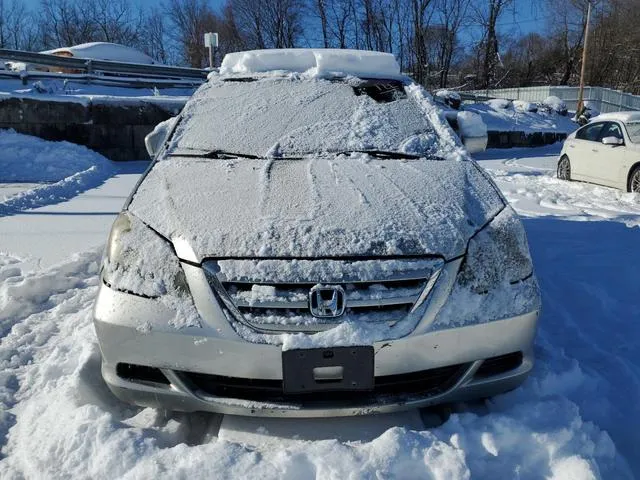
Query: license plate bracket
(328, 369)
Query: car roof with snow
(104, 51)
(618, 116)
(315, 62)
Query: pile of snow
(471, 125)
(61, 170)
(450, 98)
(524, 106)
(555, 104)
(113, 52)
(591, 109)
(31, 159)
(329, 61)
(500, 104)
(448, 94)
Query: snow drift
(61, 170)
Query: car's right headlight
(139, 261)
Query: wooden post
(584, 60)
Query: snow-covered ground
(577, 416)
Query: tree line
(441, 43)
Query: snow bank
(63, 170)
(359, 63)
(30, 159)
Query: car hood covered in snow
(332, 206)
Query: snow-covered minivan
(311, 239)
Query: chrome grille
(273, 295)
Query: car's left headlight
(498, 253)
(496, 278)
(139, 261)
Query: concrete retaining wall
(116, 127)
(521, 139)
(113, 127)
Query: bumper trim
(179, 396)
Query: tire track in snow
(58, 192)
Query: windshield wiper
(384, 154)
(215, 154)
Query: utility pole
(584, 60)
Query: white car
(606, 151)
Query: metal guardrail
(106, 80)
(103, 66)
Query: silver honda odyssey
(312, 239)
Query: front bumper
(135, 331)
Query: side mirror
(614, 141)
(472, 131)
(475, 144)
(156, 138)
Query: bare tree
(152, 40)
(487, 13)
(65, 23)
(17, 29)
(114, 21)
(337, 21)
(566, 26)
(268, 23)
(191, 19)
(421, 18)
(321, 9)
(449, 14)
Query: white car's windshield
(288, 117)
(633, 129)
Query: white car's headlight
(496, 254)
(138, 261)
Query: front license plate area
(327, 369)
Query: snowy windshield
(288, 117)
(633, 129)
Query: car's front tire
(564, 168)
(633, 185)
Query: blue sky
(525, 17)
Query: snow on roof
(361, 63)
(619, 116)
(105, 51)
